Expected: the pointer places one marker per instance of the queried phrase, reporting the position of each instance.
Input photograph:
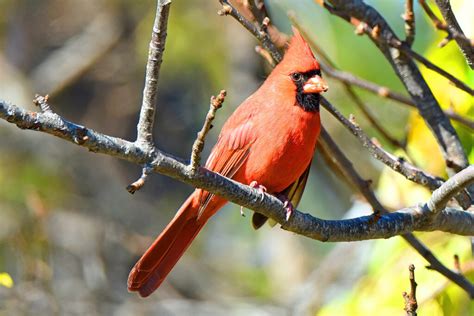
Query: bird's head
(301, 73)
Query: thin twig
(411, 304)
(438, 266)
(215, 104)
(155, 57)
(465, 44)
(137, 185)
(451, 187)
(409, 18)
(457, 264)
(265, 55)
(42, 102)
(428, 64)
(263, 37)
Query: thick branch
(362, 228)
(155, 57)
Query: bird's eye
(296, 76)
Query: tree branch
(452, 186)
(411, 304)
(215, 104)
(454, 30)
(261, 35)
(409, 18)
(155, 57)
(397, 164)
(362, 228)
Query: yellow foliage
(6, 280)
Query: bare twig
(457, 264)
(455, 31)
(439, 267)
(453, 185)
(263, 37)
(137, 185)
(215, 104)
(428, 64)
(411, 304)
(265, 54)
(409, 18)
(42, 102)
(155, 57)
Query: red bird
(268, 143)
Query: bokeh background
(70, 232)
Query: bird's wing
(228, 155)
(293, 192)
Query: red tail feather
(153, 267)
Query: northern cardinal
(268, 143)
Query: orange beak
(315, 84)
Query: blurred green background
(70, 232)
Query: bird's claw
(289, 208)
(262, 189)
(242, 211)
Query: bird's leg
(262, 189)
(287, 205)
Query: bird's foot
(289, 208)
(262, 189)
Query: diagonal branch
(397, 164)
(454, 30)
(215, 104)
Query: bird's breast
(283, 149)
